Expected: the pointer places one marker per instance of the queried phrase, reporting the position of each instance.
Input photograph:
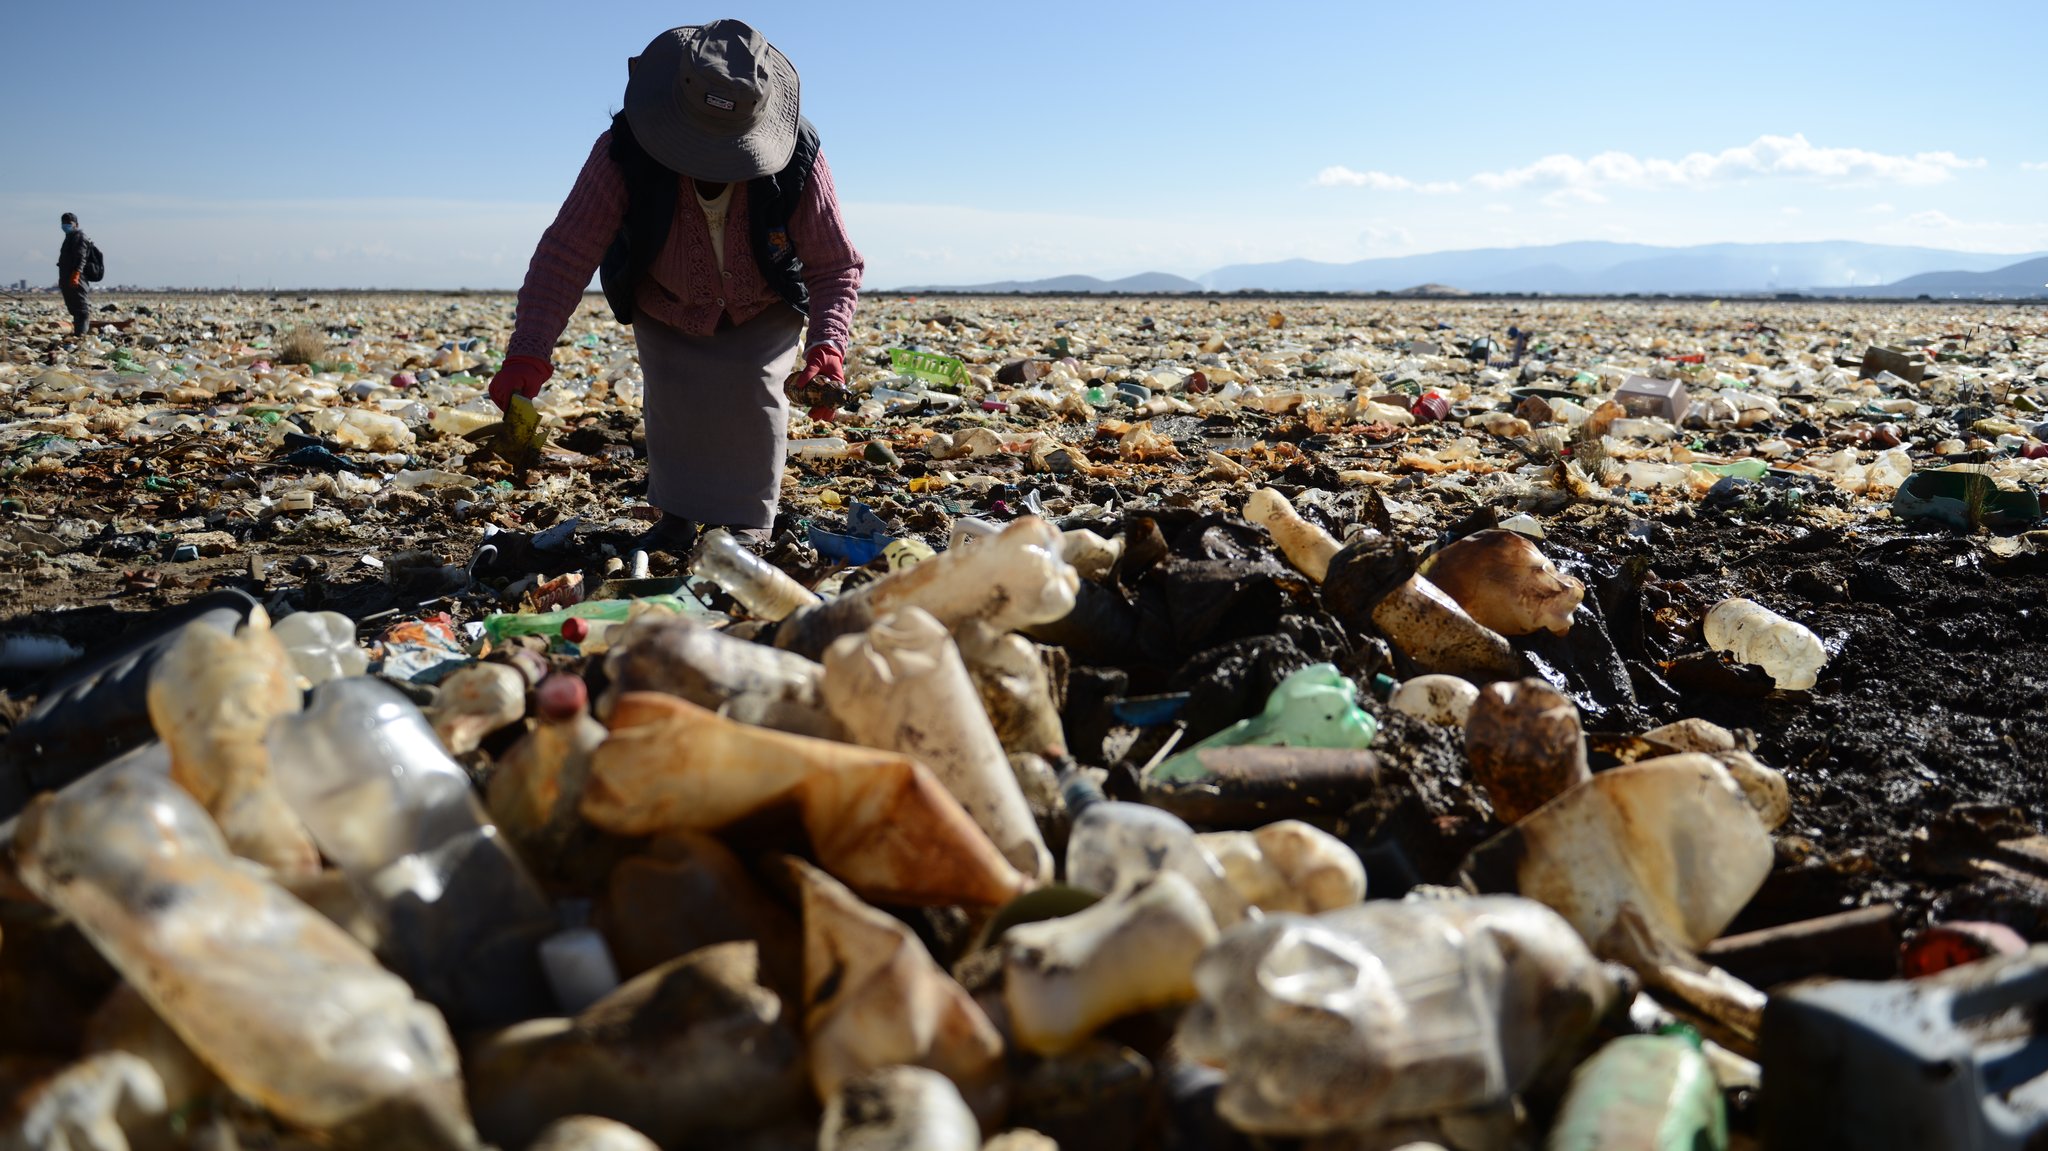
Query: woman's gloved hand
(823, 360)
(521, 375)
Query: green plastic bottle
(1315, 707)
(600, 611)
(1645, 1093)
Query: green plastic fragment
(1315, 707)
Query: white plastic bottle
(1307, 546)
(1753, 633)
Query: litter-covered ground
(1718, 632)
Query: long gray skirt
(717, 421)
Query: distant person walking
(710, 212)
(76, 266)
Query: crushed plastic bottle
(1444, 700)
(212, 698)
(1314, 707)
(873, 998)
(476, 701)
(1654, 1092)
(1525, 746)
(322, 645)
(1116, 846)
(899, 1109)
(765, 590)
(1017, 578)
(901, 686)
(537, 786)
(461, 916)
(670, 765)
(1289, 865)
(749, 682)
(1371, 586)
(1389, 1011)
(1307, 546)
(1063, 979)
(1506, 583)
(242, 971)
(1010, 675)
(1753, 633)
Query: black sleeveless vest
(651, 191)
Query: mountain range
(1834, 267)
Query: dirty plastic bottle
(1370, 586)
(693, 1053)
(766, 591)
(1653, 1092)
(1314, 707)
(1753, 633)
(873, 998)
(899, 1109)
(243, 972)
(322, 645)
(537, 785)
(1092, 556)
(476, 701)
(212, 697)
(1289, 865)
(1525, 746)
(670, 765)
(1063, 979)
(750, 682)
(1016, 690)
(1307, 546)
(590, 1133)
(1504, 581)
(1389, 1011)
(901, 686)
(1114, 846)
(461, 916)
(597, 617)
(1015, 579)
(1444, 700)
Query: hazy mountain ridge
(1598, 267)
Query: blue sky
(427, 144)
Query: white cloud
(2036, 166)
(1339, 176)
(1880, 209)
(1933, 220)
(1777, 157)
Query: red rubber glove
(73, 281)
(522, 375)
(823, 360)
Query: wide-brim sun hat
(714, 101)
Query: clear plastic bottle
(1653, 1092)
(1015, 689)
(901, 686)
(1115, 846)
(1753, 633)
(322, 645)
(1289, 865)
(1388, 1011)
(251, 978)
(1371, 586)
(763, 589)
(461, 916)
(1307, 546)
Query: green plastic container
(1645, 1093)
(510, 624)
(1315, 707)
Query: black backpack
(95, 264)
